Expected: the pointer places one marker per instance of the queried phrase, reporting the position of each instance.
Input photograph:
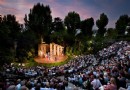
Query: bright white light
(41, 53)
(23, 64)
(126, 32)
(12, 64)
(78, 31)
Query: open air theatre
(50, 53)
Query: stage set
(50, 53)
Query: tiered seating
(112, 64)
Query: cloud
(2, 2)
(60, 8)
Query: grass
(32, 63)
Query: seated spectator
(96, 83)
(18, 86)
(112, 85)
(11, 87)
(122, 80)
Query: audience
(111, 85)
(108, 69)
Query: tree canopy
(39, 20)
(121, 24)
(72, 22)
(10, 30)
(86, 26)
(20, 42)
(57, 31)
(101, 24)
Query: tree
(121, 24)
(9, 32)
(0, 19)
(101, 24)
(111, 33)
(13, 25)
(39, 20)
(86, 27)
(6, 54)
(72, 22)
(128, 28)
(58, 31)
(26, 44)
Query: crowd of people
(109, 69)
(110, 72)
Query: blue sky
(60, 8)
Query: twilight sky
(60, 8)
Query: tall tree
(101, 24)
(9, 32)
(58, 31)
(26, 44)
(86, 27)
(121, 24)
(13, 25)
(39, 20)
(72, 22)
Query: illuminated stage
(50, 53)
(54, 59)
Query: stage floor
(53, 59)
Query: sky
(60, 8)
